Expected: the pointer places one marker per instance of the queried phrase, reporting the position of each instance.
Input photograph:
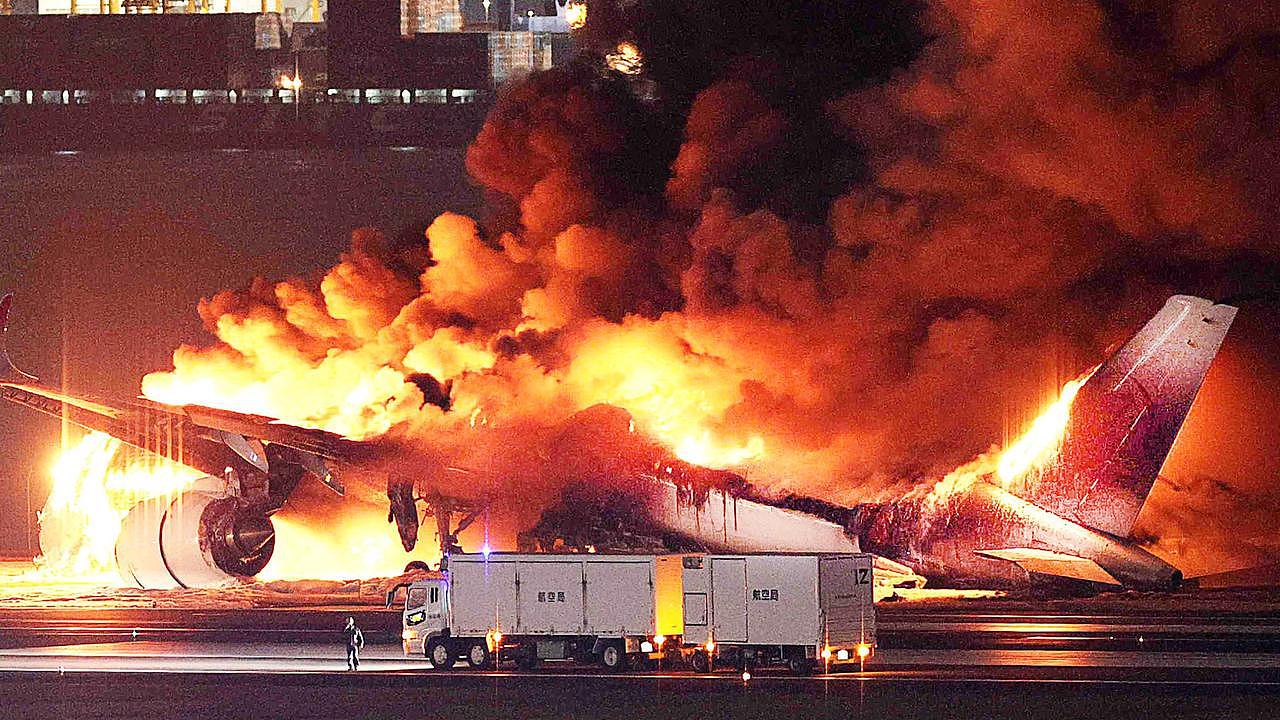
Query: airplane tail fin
(1126, 416)
(9, 374)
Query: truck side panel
(781, 600)
(846, 593)
(729, 599)
(550, 598)
(696, 582)
(482, 596)
(620, 597)
(553, 595)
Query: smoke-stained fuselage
(947, 542)
(1070, 514)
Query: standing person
(355, 641)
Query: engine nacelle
(194, 540)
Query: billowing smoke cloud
(841, 248)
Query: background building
(377, 51)
(308, 10)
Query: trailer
(489, 608)
(802, 610)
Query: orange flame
(1038, 444)
(626, 59)
(361, 546)
(575, 13)
(345, 355)
(94, 487)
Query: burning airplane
(1059, 502)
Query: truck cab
(426, 612)
(486, 608)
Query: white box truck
(801, 610)
(528, 608)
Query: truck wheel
(478, 655)
(701, 662)
(613, 657)
(801, 666)
(440, 655)
(528, 661)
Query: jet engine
(198, 539)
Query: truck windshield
(417, 597)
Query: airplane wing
(207, 439)
(268, 457)
(889, 573)
(1045, 562)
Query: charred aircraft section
(1072, 515)
(1069, 517)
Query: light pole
(297, 87)
(30, 548)
(295, 84)
(529, 26)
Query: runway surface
(69, 663)
(897, 629)
(144, 656)
(108, 681)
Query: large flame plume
(95, 484)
